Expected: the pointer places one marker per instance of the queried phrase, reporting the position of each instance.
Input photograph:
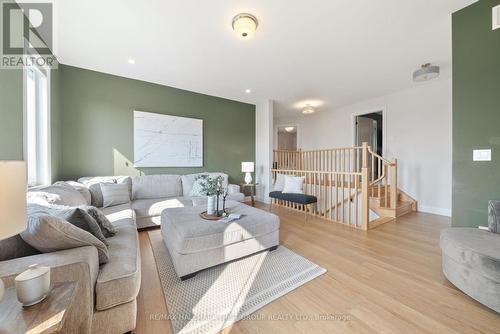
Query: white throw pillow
(293, 184)
(279, 184)
(114, 194)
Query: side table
(45, 317)
(252, 187)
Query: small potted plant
(212, 188)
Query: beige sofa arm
(233, 189)
(80, 265)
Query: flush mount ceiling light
(308, 109)
(290, 129)
(426, 72)
(131, 61)
(248, 90)
(244, 25)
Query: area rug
(218, 297)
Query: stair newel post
(394, 184)
(364, 155)
(365, 201)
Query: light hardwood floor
(387, 280)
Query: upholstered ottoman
(195, 244)
(471, 261)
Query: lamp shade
(12, 198)
(247, 167)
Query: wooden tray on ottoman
(206, 216)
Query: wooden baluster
(330, 195)
(356, 187)
(365, 216)
(394, 185)
(349, 197)
(343, 199)
(336, 197)
(386, 195)
(380, 174)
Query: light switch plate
(481, 155)
(496, 17)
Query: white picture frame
(167, 141)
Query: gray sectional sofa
(106, 294)
(152, 194)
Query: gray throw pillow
(494, 216)
(73, 215)
(50, 234)
(81, 188)
(107, 228)
(114, 194)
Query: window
(37, 126)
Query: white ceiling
(329, 52)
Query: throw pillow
(73, 215)
(107, 228)
(293, 184)
(494, 216)
(49, 234)
(114, 194)
(82, 189)
(197, 188)
(279, 184)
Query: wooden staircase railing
(345, 181)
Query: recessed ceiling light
(248, 90)
(131, 61)
(290, 128)
(244, 25)
(308, 109)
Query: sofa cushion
(188, 181)
(119, 280)
(49, 234)
(60, 193)
(114, 194)
(120, 215)
(94, 185)
(476, 249)
(153, 207)
(156, 186)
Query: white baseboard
(434, 210)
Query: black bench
(305, 200)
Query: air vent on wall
(496, 17)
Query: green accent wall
(476, 112)
(97, 125)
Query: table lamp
(12, 201)
(248, 167)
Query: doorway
(369, 128)
(287, 138)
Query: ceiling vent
(496, 17)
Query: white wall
(418, 131)
(263, 148)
